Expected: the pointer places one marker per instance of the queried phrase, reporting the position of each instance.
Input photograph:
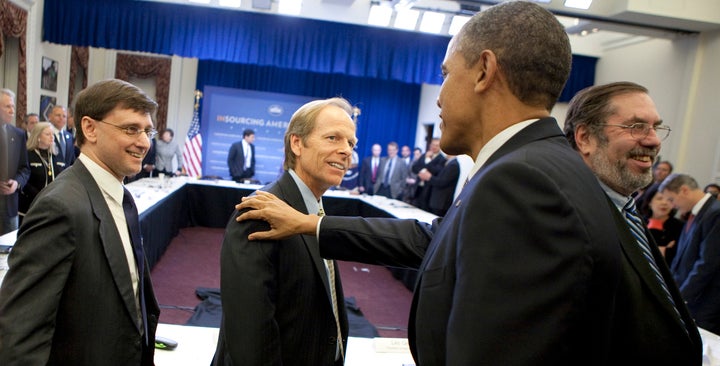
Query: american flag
(192, 154)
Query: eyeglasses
(132, 130)
(640, 130)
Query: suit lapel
(289, 191)
(110, 240)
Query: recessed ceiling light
(230, 3)
(380, 15)
(456, 24)
(289, 7)
(578, 4)
(406, 19)
(432, 22)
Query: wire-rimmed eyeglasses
(132, 130)
(640, 130)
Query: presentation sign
(227, 112)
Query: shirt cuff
(317, 229)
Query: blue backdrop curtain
(379, 69)
(389, 108)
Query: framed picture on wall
(46, 105)
(48, 81)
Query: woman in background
(663, 225)
(43, 161)
(165, 149)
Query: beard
(616, 175)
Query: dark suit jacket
(442, 188)
(17, 168)
(647, 329)
(365, 179)
(236, 162)
(696, 266)
(275, 296)
(434, 166)
(69, 157)
(68, 298)
(524, 269)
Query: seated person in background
(661, 222)
(44, 164)
(282, 303)
(166, 148)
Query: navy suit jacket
(275, 296)
(524, 269)
(696, 266)
(68, 297)
(365, 179)
(68, 158)
(236, 161)
(442, 188)
(17, 168)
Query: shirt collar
(495, 143)
(698, 206)
(311, 203)
(106, 181)
(619, 200)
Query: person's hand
(424, 175)
(149, 167)
(8, 187)
(284, 220)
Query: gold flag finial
(198, 95)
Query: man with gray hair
(696, 266)
(14, 167)
(617, 130)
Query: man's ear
(296, 144)
(486, 70)
(584, 140)
(89, 128)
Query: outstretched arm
(284, 220)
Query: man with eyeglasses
(78, 291)
(618, 132)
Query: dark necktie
(690, 220)
(636, 226)
(388, 170)
(374, 170)
(61, 138)
(133, 223)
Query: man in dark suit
(63, 139)
(618, 132)
(14, 168)
(391, 174)
(442, 186)
(369, 170)
(282, 303)
(241, 157)
(521, 270)
(433, 162)
(696, 266)
(78, 291)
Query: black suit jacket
(68, 158)
(366, 180)
(434, 166)
(236, 162)
(696, 266)
(524, 269)
(275, 296)
(17, 168)
(67, 298)
(442, 188)
(647, 330)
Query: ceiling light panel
(456, 24)
(432, 22)
(380, 15)
(406, 19)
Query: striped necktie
(635, 224)
(333, 295)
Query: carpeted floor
(193, 260)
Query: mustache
(640, 151)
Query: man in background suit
(63, 139)
(618, 132)
(14, 168)
(392, 173)
(442, 186)
(30, 121)
(433, 162)
(241, 157)
(282, 303)
(696, 266)
(78, 291)
(369, 170)
(521, 270)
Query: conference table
(167, 205)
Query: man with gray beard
(618, 131)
